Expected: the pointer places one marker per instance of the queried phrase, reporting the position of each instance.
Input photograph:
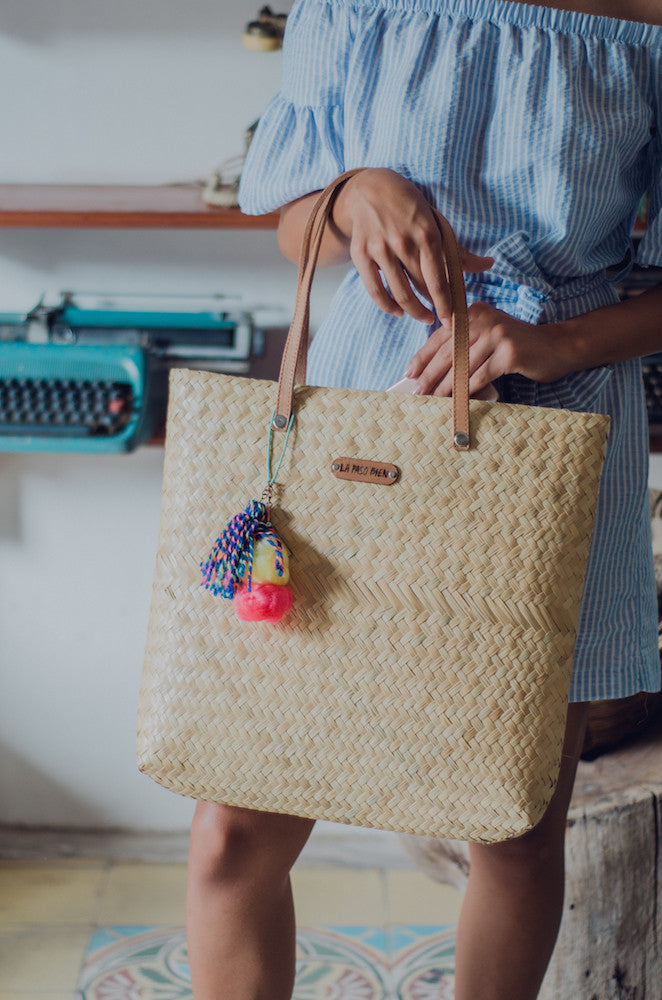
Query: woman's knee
(222, 840)
(542, 848)
(229, 844)
(526, 858)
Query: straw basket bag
(419, 682)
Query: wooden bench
(610, 941)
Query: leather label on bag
(364, 470)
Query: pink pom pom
(264, 602)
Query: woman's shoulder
(644, 11)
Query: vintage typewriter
(90, 373)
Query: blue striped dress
(535, 132)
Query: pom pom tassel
(266, 602)
(231, 559)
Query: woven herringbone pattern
(420, 681)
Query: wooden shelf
(119, 206)
(133, 206)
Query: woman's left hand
(498, 345)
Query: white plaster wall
(655, 478)
(77, 544)
(144, 91)
(133, 90)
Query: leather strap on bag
(293, 365)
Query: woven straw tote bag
(419, 682)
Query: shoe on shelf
(222, 188)
(265, 34)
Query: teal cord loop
(272, 479)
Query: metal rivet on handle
(280, 421)
(392, 475)
(335, 466)
(461, 440)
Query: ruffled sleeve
(298, 146)
(649, 253)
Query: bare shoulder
(648, 11)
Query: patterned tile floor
(68, 925)
(336, 963)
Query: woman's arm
(293, 218)
(501, 345)
(383, 223)
(630, 329)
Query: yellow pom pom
(264, 570)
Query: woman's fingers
(432, 365)
(371, 277)
(396, 245)
(433, 275)
(436, 379)
(488, 392)
(421, 270)
(433, 359)
(474, 263)
(400, 276)
(391, 279)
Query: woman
(535, 130)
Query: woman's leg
(239, 910)
(512, 909)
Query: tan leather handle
(293, 365)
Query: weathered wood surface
(610, 941)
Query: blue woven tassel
(231, 558)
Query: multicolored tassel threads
(249, 564)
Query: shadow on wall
(41, 795)
(10, 506)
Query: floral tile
(136, 963)
(333, 963)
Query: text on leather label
(364, 470)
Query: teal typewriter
(90, 374)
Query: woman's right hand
(390, 231)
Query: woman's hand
(498, 345)
(391, 233)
